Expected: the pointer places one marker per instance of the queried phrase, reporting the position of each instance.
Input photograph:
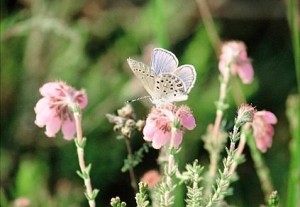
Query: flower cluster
(125, 121)
(234, 58)
(53, 110)
(160, 121)
(263, 130)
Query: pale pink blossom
(263, 130)
(22, 202)
(53, 109)
(160, 121)
(151, 178)
(234, 58)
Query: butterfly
(163, 79)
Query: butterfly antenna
(137, 99)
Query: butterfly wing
(168, 88)
(163, 61)
(187, 74)
(144, 73)
(163, 80)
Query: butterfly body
(163, 80)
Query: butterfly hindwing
(187, 74)
(169, 88)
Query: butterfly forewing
(144, 73)
(163, 61)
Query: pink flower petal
(81, 99)
(68, 129)
(188, 121)
(269, 117)
(149, 130)
(234, 55)
(158, 124)
(160, 139)
(152, 177)
(263, 129)
(53, 109)
(178, 139)
(43, 117)
(43, 112)
(41, 105)
(50, 89)
(246, 73)
(261, 146)
(53, 126)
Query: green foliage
(31, 180)
(136, 158)
(224, 178)
(141, 197)
(165, 192)
(194, 191)
(30, 174)
(273, 200)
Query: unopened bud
(126, 111)
(130, 123)
(140, 124)
(126, 131)
(245, 114)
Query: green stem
(209, 24)
(133, 182)
(294, 18)
(293, 195)
(292, 108)
(261, 168)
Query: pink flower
(151, 178)
(53, 110)
(21, 202)
(263, 130)
(234, 57)
(160, 121)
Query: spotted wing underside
(144, 73)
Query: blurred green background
(86, 43)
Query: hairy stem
(239, 152)
(82, 165)
(167, 186)
(224, 179)
(214, 154)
